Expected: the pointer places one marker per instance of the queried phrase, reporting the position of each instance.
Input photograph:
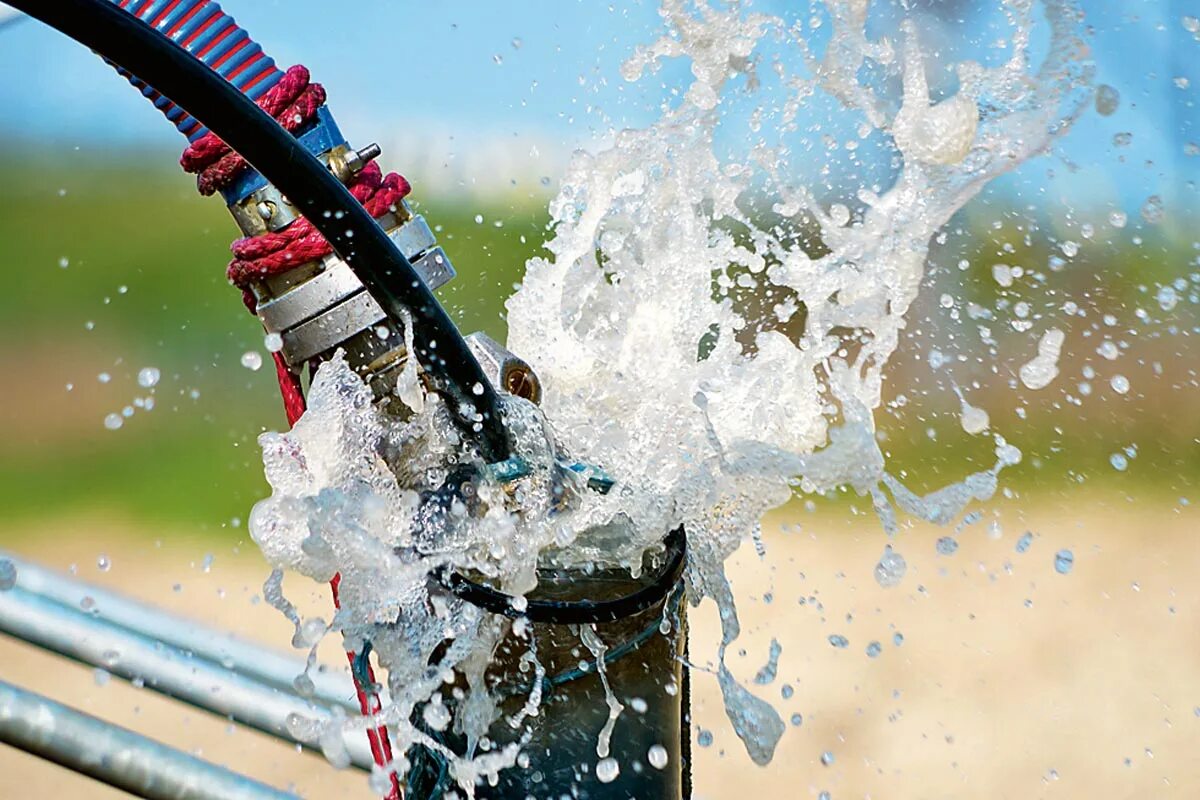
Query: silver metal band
(316, 315)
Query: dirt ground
(1012, 681)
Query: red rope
(262, 256)
(293, 102)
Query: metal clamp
(319, 306)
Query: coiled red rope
(269, 254)
(293, 102)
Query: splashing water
(706, 330)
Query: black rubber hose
(356, 237)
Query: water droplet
(479, 219)
(1108, 100)
(516, 43)
(824, 796)
(104, 377)
(100, 677)
(1119, 383)
(786, 691)
(148, 377)
(1064, 560)
(974, 420)
(64, 262)
(704, 738)
(436, 715)
(838, 641)
(1041, 371)
(498, 59)
(826, 758)
(1167, 297)
(657, 756)
(252, 360)
(897, 638)
(1118, 219)
(607, 770)
(797, 720)
(1002, 274)
(947, 545)
(103, 563)
(1024, 542)
(273, 342)
(1119, 461)
(8, 574)
(304, 685)
(874, 649)
(1152, 209)
(380, 781)
(113, 421)
(890, 569)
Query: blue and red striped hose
(211, 35)
(203, 29)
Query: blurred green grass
(143, 285)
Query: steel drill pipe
(116, 756)
(162, 668)
(194, 639)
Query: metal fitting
(506, 372)
(355, 160)
(323, 305)
(266, 210)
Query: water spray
(338, 267)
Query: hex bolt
(357, 159)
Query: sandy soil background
(1012, 681)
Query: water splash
(708, 329)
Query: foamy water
(711, 333)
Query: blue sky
(432, 67)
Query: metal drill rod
(192, 638)
(168, 670)
(117, 756)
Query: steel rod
(117, 756)
(221, 647)
(75, 634)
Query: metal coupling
(504, 370)
(321, 306)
